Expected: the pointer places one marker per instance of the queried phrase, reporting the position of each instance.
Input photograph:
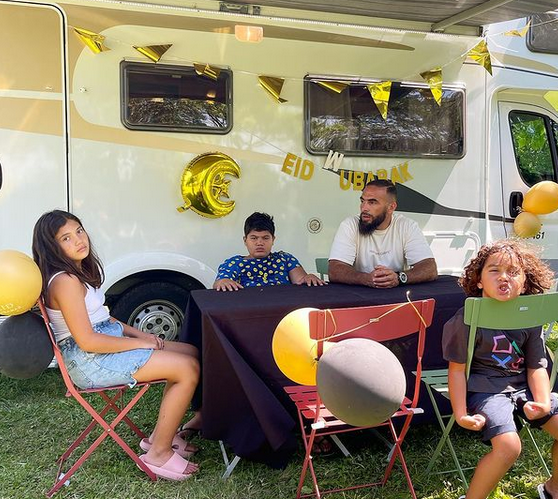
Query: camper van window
(535, 141)
(543, 33)
(175, 98)
(349, 122)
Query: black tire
(153, 307)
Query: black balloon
(25, 348)
(361, 382)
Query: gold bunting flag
(153, 52)
(434, 80)
(552, 98)
(334, 86)
(94, 41)
(480, 54)
(272, 86)
(518, 32)
(380, 94)
(207, 70)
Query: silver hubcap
(161, 318)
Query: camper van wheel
(155, 307)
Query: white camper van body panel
(33, 126)
(125, 184)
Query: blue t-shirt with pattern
(269, 271)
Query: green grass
(37, 423)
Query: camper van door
(529, 138)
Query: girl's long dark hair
(50, 258)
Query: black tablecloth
(243, 401)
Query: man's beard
(366, 228)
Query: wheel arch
(138, 268)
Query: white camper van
(110, 135)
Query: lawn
(37, 423)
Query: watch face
(402, 277)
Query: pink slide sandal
(174, 469)
(179, 445)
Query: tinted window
(349, 122)
(175, 98)
(543, 33)
(532, 135)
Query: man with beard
(379, 248)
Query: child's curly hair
(538, 275)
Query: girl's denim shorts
(99, 370)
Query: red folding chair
(112, 396)
(380, 323)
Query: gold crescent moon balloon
(203, 184)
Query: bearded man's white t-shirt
(398, 247)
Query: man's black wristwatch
(402, 277)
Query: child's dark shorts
(502, 411)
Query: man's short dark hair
(259, 222)
(386, 184)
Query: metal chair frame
(97, 417)
(379, 323)
(523, 312)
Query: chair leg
(230, 465)
(541, 458)
(443, 441)
(396, 452)
(108, 430)
(341, 445)
(111, 404)
(307, 463)
(117, 396)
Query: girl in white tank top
(106, 352)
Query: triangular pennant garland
(480, 54)
(380, 94)
(518, 32)
(334, 86)
(272, 86)
(92, 40)
(207, 70)
(552, 98)
(434, 80)
(153, 52)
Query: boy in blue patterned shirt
(261, 267)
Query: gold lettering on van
(297, 167)
(398, 174)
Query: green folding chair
(523, 312)
(322, 265)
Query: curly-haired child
(501, 388)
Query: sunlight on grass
(37, 423)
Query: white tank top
(94, 303)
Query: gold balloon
(542, 198)
(203, 184)
(20, 282)
(526, 224)
(295, 353)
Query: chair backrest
(522, 312)
(322, 266)
(57, 353)
(376, 322)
